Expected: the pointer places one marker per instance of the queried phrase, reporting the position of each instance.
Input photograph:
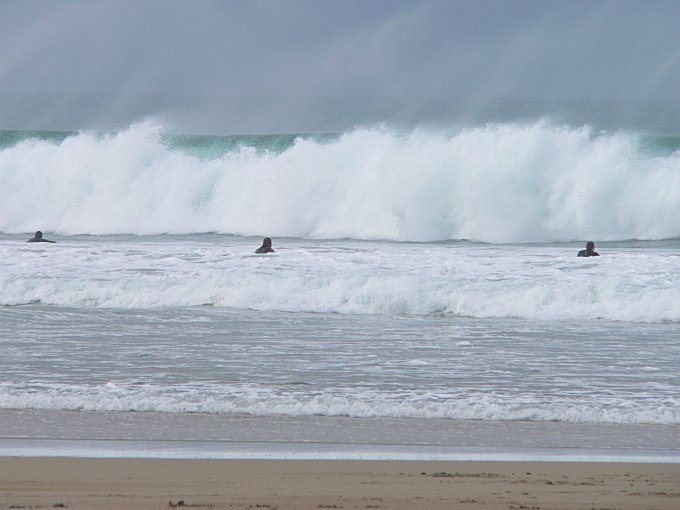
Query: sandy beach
(80, 483)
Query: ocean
(424, 299)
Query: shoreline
(97, 434)
(315, 451)
(311, 484)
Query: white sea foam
(346, 277)
(257, 400)
(499, 183)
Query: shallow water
(471, 345)
(301, 364)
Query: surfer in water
(589, 251)
(266, 246)
(38, 238)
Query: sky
(257, 61)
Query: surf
(496, 183)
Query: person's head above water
(38, 238)
(589, 251)
(266, 246)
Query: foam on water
(239, 362)
(335, 198)
(346, 277)
(354, 402)
(498, 183)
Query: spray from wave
(500, 183)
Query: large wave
(497, 183)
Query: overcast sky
(344, 48)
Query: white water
(344, 327)
(352, 402)
(348, 277)
(499, 183)
(239, 362)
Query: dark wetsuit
(265, 249)
(588, 253)
(39, 240)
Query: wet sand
(92, 484)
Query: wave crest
(499, 183)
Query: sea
(424, 300)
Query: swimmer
(266, 246)
(38, 238)
(589, 251)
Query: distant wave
(498, 183)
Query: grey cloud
(152, 56)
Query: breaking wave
(536, 182)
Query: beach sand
(80, 483)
